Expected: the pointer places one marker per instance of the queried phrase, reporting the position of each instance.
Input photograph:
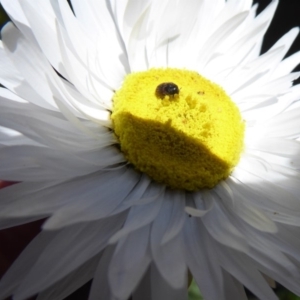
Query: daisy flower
(156, 141)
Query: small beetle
(166, 88)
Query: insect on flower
(166, 88)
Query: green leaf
(284, 294)
(194, 293)
(3, 16)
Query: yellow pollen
(190, 140)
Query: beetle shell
(166, 88)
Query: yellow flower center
(187, 138)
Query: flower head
(157, 142)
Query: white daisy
(157, 141)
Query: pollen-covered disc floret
(190, 140)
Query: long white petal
(70, 248)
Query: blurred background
(13, 240)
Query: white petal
(233, 289)
(166, 254)
(204, 203)
(250, 214)
(9, 75)
(71, 282)
(261, 113)
(223, 190)
(162, 290)
(100, 285)
(129, 262)
(41, 19)
(139, 216)
(97, 202)
(284, 125)
(127, 16)
(287, 65)
(67, 251)
(37, 163)
(259, 26)
(202, 260)
(39, 198)
(18, 48)
(14, 9)
(178, 34)
(286, 41)
(177, 219)
(267, 250)
(291, 282)
(145, 189)
(268, 200)
(265, 188)
(242, 268)
(169, 262)
(136, 46)
(237, 5)
(166, 221)
(222, 227)
(217, 38)
(48, 127)
(20, 268)
(279, 146)
(7, 222)
(106, 62)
